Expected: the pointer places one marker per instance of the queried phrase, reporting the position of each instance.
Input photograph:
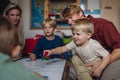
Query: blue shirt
(44, 44)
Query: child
(89, 50)
(49, 41)
(9, 48)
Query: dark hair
(9, 37)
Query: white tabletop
(52, 69)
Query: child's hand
(32, 56)
(47, 53)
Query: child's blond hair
(49, 21)
(83, 24)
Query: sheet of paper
(52, 69)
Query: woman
(13, 13)
(9, 48)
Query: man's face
(74, 17)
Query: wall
(26, 15)
(112, 14)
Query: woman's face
(14, 16)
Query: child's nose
(74, 35)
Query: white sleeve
(100, 51)
(70, 45)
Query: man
(106, 34)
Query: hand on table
(32, 56)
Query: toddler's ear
(16, 51)
(89, 35)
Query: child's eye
(73, 33)
(78, 34)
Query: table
(52, 69)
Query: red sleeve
(111, 35)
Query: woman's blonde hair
(11, 6)
(19, 26)
(83, 24)
(9, 37)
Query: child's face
(80, 38)
(48, 30)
